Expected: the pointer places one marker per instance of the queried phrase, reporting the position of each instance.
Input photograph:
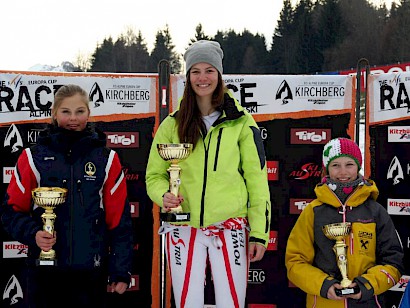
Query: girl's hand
(45, 240)
(169, 201)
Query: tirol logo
(96, 95)
(309, 170)
(398, 133)
(272, 168)
(135, 209)
(284, 93)
(395, 171)
(309, 135)
(122, 139)
(398, 206)
(296, 206)
(273, 240)
(13, 139)
(13, 291)
(134, 283)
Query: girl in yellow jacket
(371, 257)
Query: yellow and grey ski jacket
(225, 175)
(374, 251)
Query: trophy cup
(48, 198)
(338, 232)
(174, 152)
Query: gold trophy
(174, 152)
(338, 232)
(48, 198)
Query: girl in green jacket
(224, 186)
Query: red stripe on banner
(229, 271)
(188, 267)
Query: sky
(48, 32)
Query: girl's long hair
(189, 118)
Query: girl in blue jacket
(93, 230)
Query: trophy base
(175, 217)
(347, 291)
(45, 262)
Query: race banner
(388, 140)
(276, 96)
(123, 106)
(28, 96)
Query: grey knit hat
(204, 51)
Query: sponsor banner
(122, 139)
(398, 206)
(275, 94)
(398, 134)
(296, 206)
(273, 241)
(29, 96)
(134, 283)
(401, 285)
(392, 68)
(7, 173)
(388, 97)
(310, 135)
(273, 170)
(14, 249)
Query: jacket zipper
(218, 145)
(201, 216)
(80, 192)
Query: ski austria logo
(13, 139)
(284, 93)
(13, 291)
(395, 171)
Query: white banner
(29, 95)
(389, 97)
(274, 94)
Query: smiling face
(204, 79)
(72, 114)
(343, 169)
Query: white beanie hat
(204, 51)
